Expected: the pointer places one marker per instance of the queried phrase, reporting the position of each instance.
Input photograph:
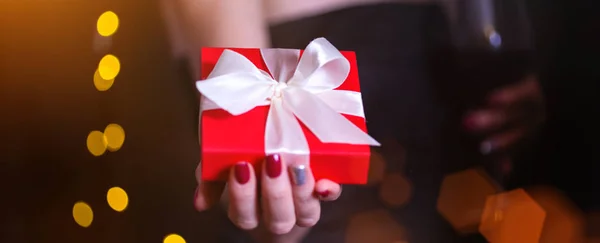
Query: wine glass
(490, 46)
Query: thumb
(208, 193)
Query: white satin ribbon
(301, 87)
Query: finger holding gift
(308, 207)
(208, 193)
(243, 199)
(277, 201)
(327, 190)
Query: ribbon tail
(284, 135)
(343, 101)
(327, 124)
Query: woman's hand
(282, 197)
(511, 113)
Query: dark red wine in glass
(491, 47)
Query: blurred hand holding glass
(490, 52)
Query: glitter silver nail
(299, 175)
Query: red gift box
(227, 139)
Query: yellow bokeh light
(173, 238)
(83, 214)
(117, 199)
(109, 67)
(115, 136)
(96, 143)
(102, 84)
(108, 23)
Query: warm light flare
(117, 199)
(462, 199)
(102, 84)
(96, 143)
(173, 238)
(395, 190)
(107, 24)
(109, 67)
(374, 226)
(115, 137)
(83, 214)
(512, 217)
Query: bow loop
(236, 84)
(232, 62)
(281, 62)
(322, 67)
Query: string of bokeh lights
(113, 136)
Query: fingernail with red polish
(242, 172)
(273, 165)
(324, 194)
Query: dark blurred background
(567, 37)
(49, 51)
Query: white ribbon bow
(300, 88)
